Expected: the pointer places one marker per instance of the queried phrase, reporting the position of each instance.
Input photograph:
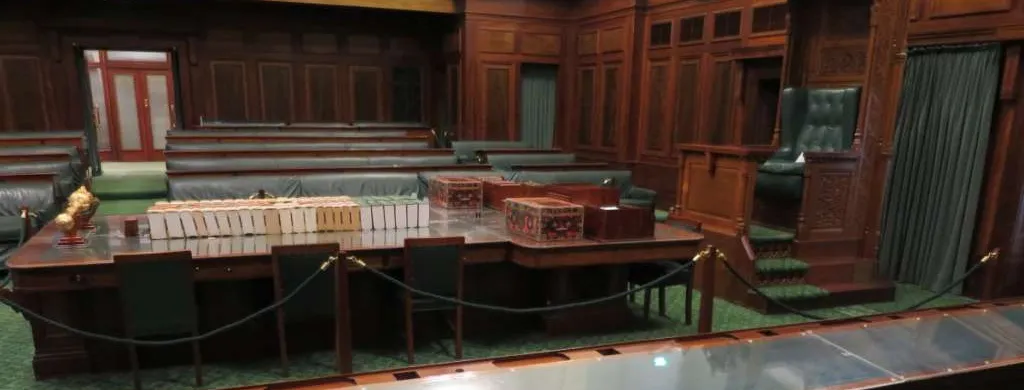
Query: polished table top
(844, 358)
(487, 228)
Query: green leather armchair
(813, 120)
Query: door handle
(145, 102)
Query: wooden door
(142, 110)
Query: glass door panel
(128, 125)
(159, 109)
(99, 108)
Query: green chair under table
(434, 265)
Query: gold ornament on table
(69, 228)
(82, 206)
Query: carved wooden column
(886, 58)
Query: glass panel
(138, 56)
(92, 56)
(159, 109)
(99, 108)
(127, 112)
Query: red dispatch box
(455, 192)
(618, 222)
(544, 219)
(496, 191)
(585, 194)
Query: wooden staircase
(806, 283)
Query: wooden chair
(434, 265)
(643, 273)
(158, 299)
(321, 298)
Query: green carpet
(125, 206)
(781, 265)
(16, 342)
(130, 181)
(788, 292)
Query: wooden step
(840, 294)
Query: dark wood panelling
(276, 92)
(230, 90)
(947, 8)
(322, 104)
(657, 89)
(497, 41)
(367, 100)
(727, 24)
(24, 95)
(769, 18)
(691, 29)
(612, 40)
(610, 119)
(406, 94)
(964, 21)
(542, 44)
(587, 96)
(719, 124)
(497, 96)
(587, 43)
(687, 87)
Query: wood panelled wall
(1000, 221)
(272, 62)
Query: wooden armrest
(755, 151)
(811, 157)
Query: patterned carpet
(16, 347)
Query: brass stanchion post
(706, 262)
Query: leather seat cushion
(623, 178)
(466, 150)
(778, 167)
(238, 187)
(504, 161)
(360, 184)
(228, 146)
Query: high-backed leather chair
(813, 120)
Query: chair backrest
(293, 264)
(157, 293)
(818, 119)
(434, 264)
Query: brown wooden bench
(350, 169)
(34, 157)
(304, 153)
(44, 139)
(227, 137)
(581, 166)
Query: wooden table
(78, 286)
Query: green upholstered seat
(390, 125)
(67, 179)
(317, 298)
(277, 133)
(360, 184)
(78, 168)
(629, 194)
(413, 160)
(813, 120)
(40, 199)
(466, 150)
(504, 161)
(229, 146)
(238, 187)
(49, 134)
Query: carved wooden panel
(769, 18)
(542, 44)
(272, 42)
(612, 40)
(497, 97)
(712, 197)
(830, 205)
(230, 91)
(657, 87)
(322, 93)
(847, 20)
(319, 43)
(453, 94)
(719, 123)
(661, 33)
(586, 97)
(843, 60)
(947, 8)
(610, 105)
(691, 29)
(406, 94)
(219, 41)
(687, 102)
(497, 41)
(367, 99)
(363, 44)
(23, 99)
(276, 102)
(586, 43)
(727, 24)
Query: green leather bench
(629, 194)
(204, 164)
(74, 158)
(466, 150)
(66, 179)
(228, 187)
(326, 184)
(38, 196)
(296, 146)
(360, 184)
(504, 161)
(813, 120)
(278, 133)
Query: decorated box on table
(455, 192)
(585, 194)
(496, 191)
(618, 222)
(544, 219)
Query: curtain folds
(937, 168)
(538, 104)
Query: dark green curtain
(538, 104)
(91, 143)
(935, 178)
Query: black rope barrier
(732, 271)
